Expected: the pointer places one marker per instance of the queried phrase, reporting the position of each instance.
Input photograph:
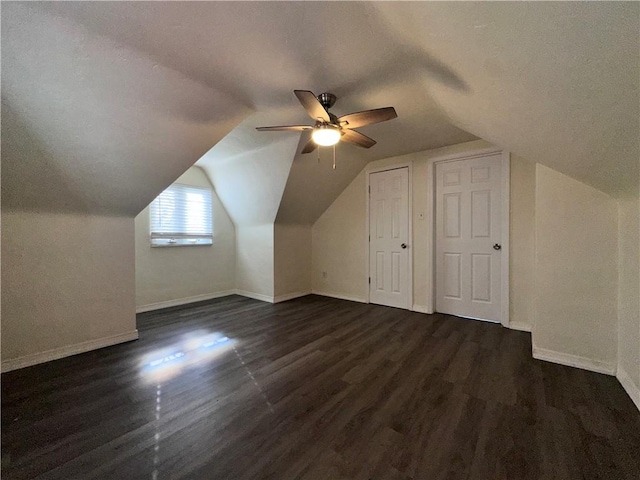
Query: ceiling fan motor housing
(327, 100)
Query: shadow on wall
(30, 179)
(412, 65)
(299, 59)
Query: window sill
(180, 243)
(183, 245)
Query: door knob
(404, 245)
(497, 246)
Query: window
(180, 216)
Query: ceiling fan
(329, 129)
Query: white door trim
(409, 166)
(431, 243)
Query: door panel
(452, 215)
(452, 286)
(480, 277)
(379, 272)
(389, 230)
(481, 214)
(468, 225)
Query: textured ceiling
(91, 126)
(104, 104)
(554, 82)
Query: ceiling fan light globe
(326, 136)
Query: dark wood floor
(315, 388)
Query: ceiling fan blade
(311, 104)
(289, 128)
(362, 119)
(310, 146)
(356, 138)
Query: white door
(468, 237)
(389, 281)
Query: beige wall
(575, 273)
(175, 274)
(629, 296)
(66, 280)
(522, 242)
(339, 235)
(254, 261)
(338, 256)
(292, 260)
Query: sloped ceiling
(249, 174)
(121, 97)
(553, 82)
(89, 125)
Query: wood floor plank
(315, 388)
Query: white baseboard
(520, 326)
(290, 296)
(574, 361)
(421, 309)
(255, 296)
(630, 387)
(339, 296)
(210, 296)
(182, 301)
(67, 351)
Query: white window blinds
(182, 215)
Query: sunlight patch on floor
(195, 349)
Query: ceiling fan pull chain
(334, 157)
(318, 154)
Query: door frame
(431, 224)
(409, 167)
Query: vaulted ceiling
(106, 103)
